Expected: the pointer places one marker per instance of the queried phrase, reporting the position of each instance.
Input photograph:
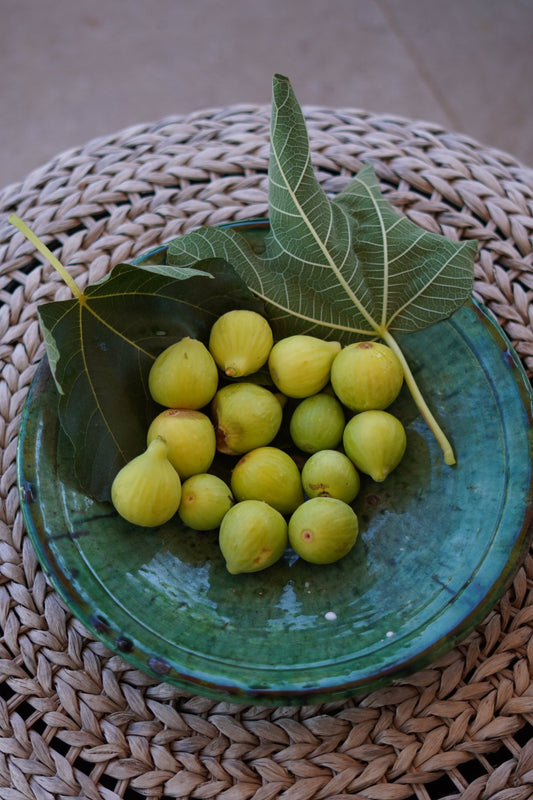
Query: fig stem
(47, 253)
(447, 450)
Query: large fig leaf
(349, 267)
(345, 268)
(102, 343)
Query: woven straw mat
(77, 721)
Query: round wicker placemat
(77, 721)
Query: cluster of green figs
(214, 401)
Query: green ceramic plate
(438, 546)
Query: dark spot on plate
(124, 644)
(28, 492)
(159, 665)
(100, 624)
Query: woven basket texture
(77, 721)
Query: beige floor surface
(71, 71)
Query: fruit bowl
(438, 545)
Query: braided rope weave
(78, 722)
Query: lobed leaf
(102, 345)
(346, 268)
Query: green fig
(252, 537)
(184, 375)
(330, 473)
(245, 416)
(366, 375)
(375, 442)
(205, 499)
(323, 530)
(271, 475)
(300, 365)
(240, 342)
(147, 491)
(317, 423)
(190, 437)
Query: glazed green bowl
(438, 545)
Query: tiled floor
(71, 71)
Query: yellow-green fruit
(317, 423)
(375, 441)
(205, 499)
(147, 491)
(323, 530)
(268, 474)
(184, 375)
(366, 375)
(245, 416)
(190, 437)
(252, 536)
(329, 473)
(240, 342)
(300, 365)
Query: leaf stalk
(47, 253)
(447, 450)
